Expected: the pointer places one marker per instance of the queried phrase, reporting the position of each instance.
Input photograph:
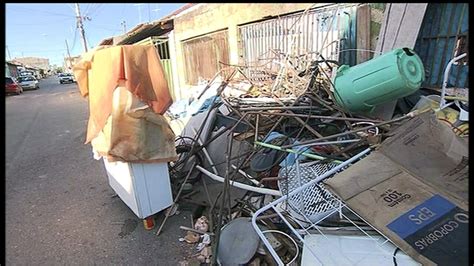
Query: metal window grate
(263, 41)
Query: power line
(70, 6)
(43, 11)
(74, 42)
(87, 9)
(96, 9)
(40, 23)
(41, 51)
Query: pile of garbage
(312, 162)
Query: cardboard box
(414, 190)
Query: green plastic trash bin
(393, 75)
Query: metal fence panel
(329, 29)
(445, 26)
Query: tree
(59, 70)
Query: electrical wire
(292, 240)
(74, 41)
(39, 11)
(87, 9)
(97, 7)
(40, 23)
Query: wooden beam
(363, 33)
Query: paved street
(59, 206)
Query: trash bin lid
(238, 242)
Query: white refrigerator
(144, 187)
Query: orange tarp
(136, 67)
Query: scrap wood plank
(363, 33)
(400, 27)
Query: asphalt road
(59, 206)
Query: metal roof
(143, 31)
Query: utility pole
(80, 26)
(69, 59)
(67, 47)
(8, 50)
(123, 23)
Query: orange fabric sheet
(138, 67)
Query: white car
(66, 78)
(28, 82)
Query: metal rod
(208, 157)
(176, 198)
(320, 117)
(256, 127)
(277, 108)
(442, 102)
(409, 115)
(225, 193)
(195, 230)
(330, 142)
(250, 178)
(309, 155)
(240, 185)
(298, 190)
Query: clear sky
(41, 29)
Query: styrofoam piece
(144, 187)
(352, 250)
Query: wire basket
(312, 203)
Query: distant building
(37, 62)
(69, 62)
(12, 69)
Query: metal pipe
(330, 142)
(409, 115)
(277, 108)
(240, 185)
(176, 198)
(250, 178)
(319, 117)
(208, 157)
(309, 155)
(442, 102)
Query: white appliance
(144, 187)
(351, 250)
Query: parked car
(11, 86)
(66, 78)
(28, 82)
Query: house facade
(11, 69)
(199, 40)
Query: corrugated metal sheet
(143, 31)
(331, 28)
(445, 25)
(204, 54)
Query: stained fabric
(137, 67)
(134, 133)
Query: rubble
(314, 160)
(294, 139)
